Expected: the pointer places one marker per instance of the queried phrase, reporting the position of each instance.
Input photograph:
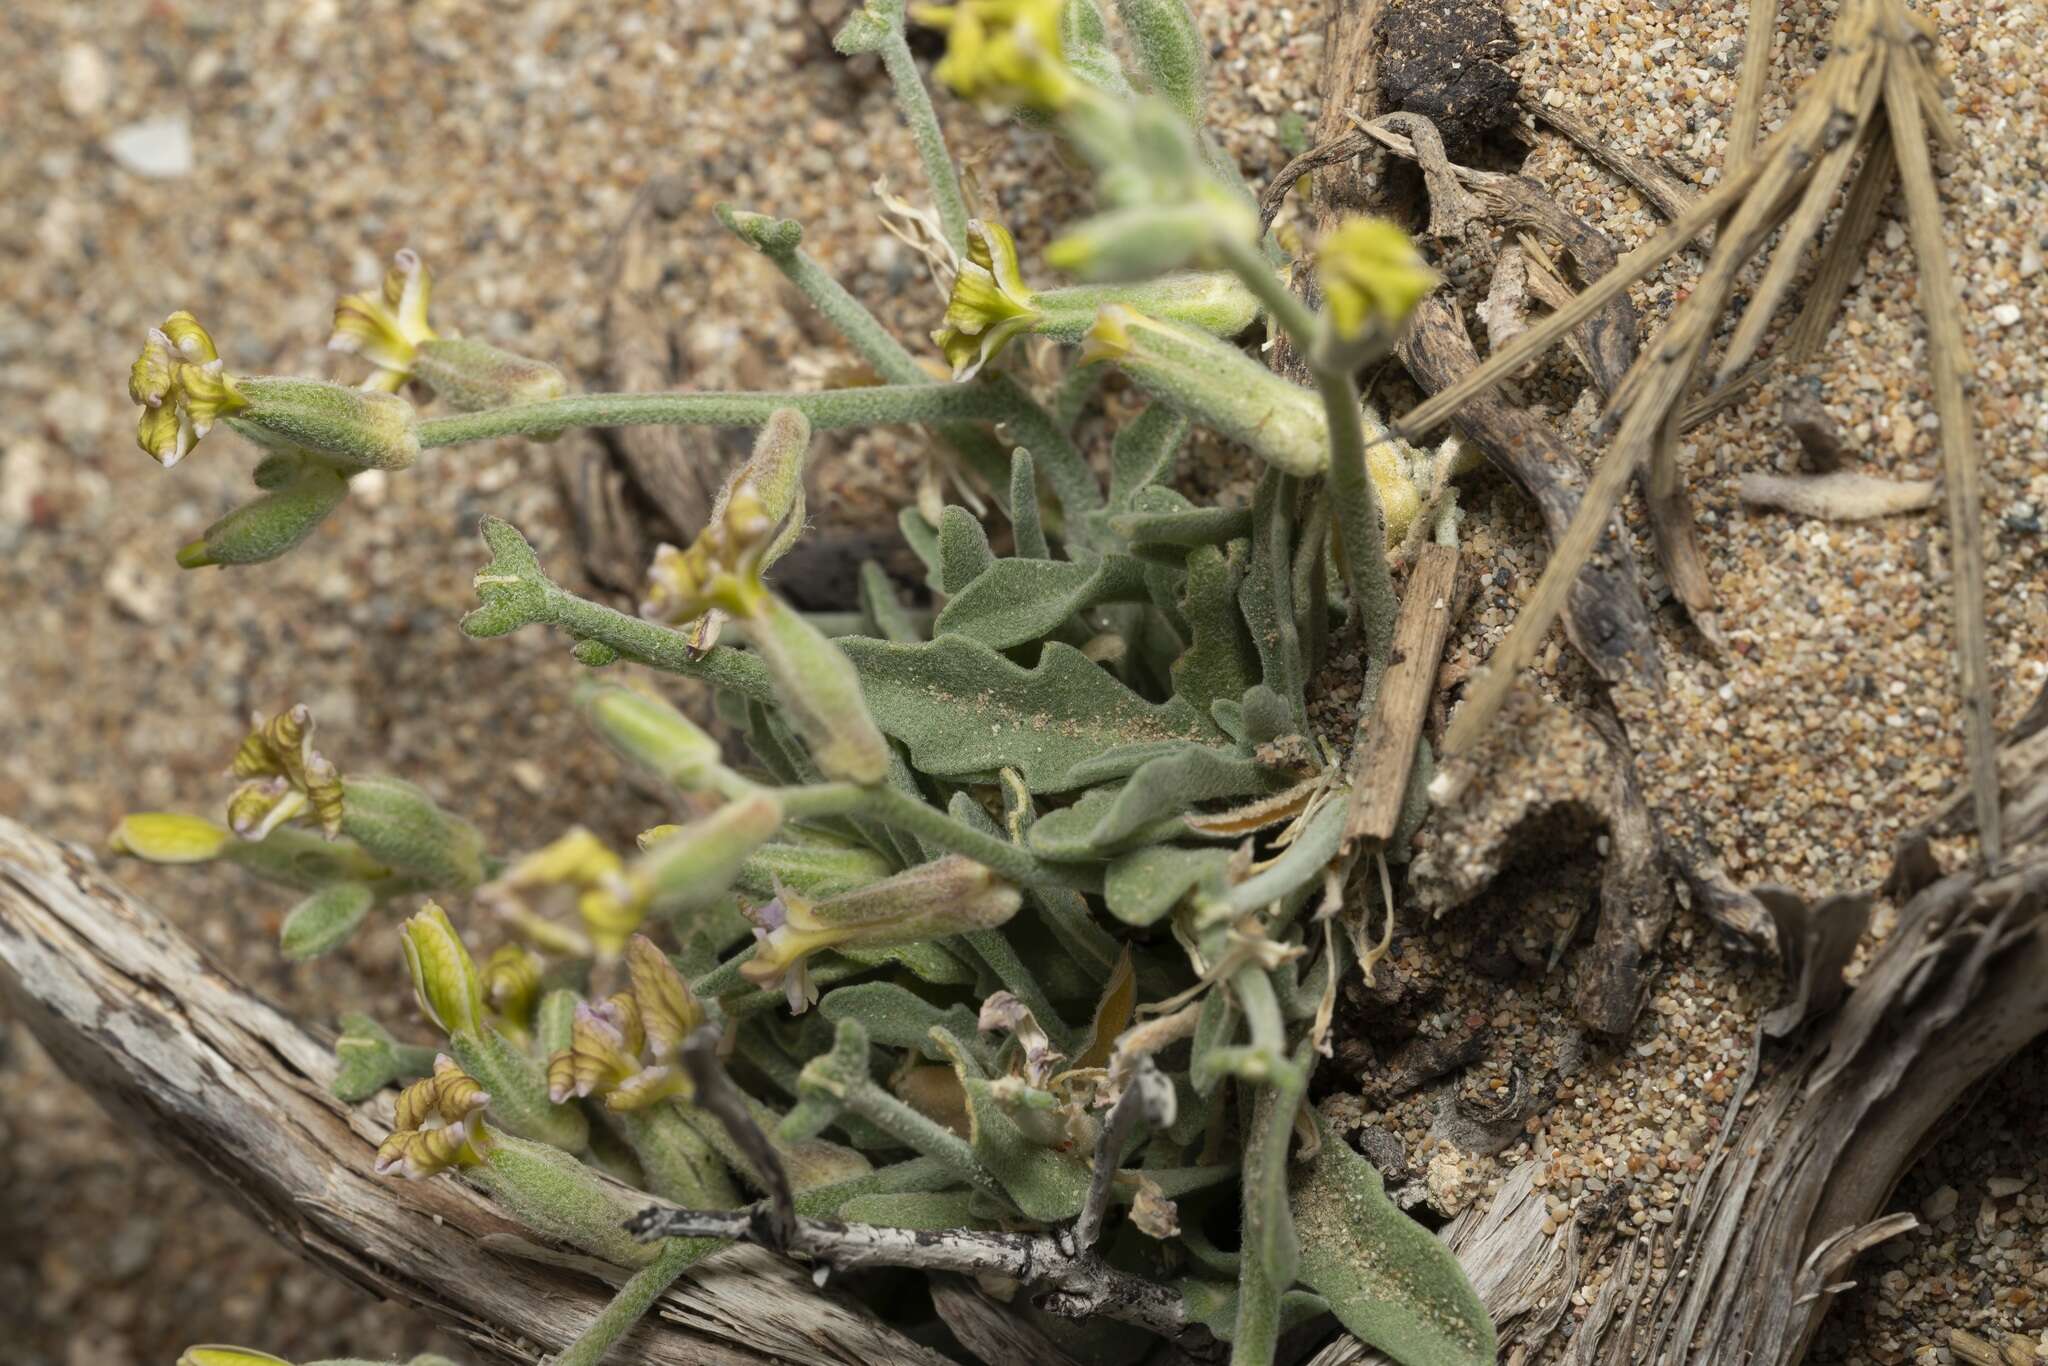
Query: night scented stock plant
(1002, 927)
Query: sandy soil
(506, 143)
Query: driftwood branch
(239, 1092)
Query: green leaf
(1143, 885)
(1299, 865)
(512, 586)
(1043, 1184)
(923, 539)
(1025, 521)
(1069, 835)
(1181, 528)
(1144, 452)
(911, 1209)
(1387, 1279)
(367, 1059)
(1214, 1029)
(1267, 595)
(1018, 602)
(882, 608)
(965, 711)
(325, 920)
(926, 960)
(1163, 787)
(963, 550)
(1221, 664)
(896, 1017)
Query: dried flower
(437, 1124)
(284, 778)
(387, 328)
(180, 383)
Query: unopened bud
(444, 977)
(401, 825)
(1373, 276)
(698, 863)
(216, 1355)
(271, 525)
(324, 920)
(945, 897)
(168, 837)
(472, 375)
(650, 733)
(351, 429)
(819, 692)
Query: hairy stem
(916, 103)
(890, 403)
(633, 1301)
(907, 813)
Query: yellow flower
(387, 329)
(576, 860)
(437, 1124)
(990, 302)
(721, 569)
(444, 976)
(182, 387)
(284, 778)
(1003, 53)
(603, 1059)
(1372, 276)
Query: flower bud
(819, 693)
(401, 825)
(1142, 240)
(324, 920)
(272, 525)
(650, 733)
(168, 837)
(668, 1012)
(699, 862)
(1170, 52)
(511, 984)
(945, 897)
(215, 1355)
(444, 977)
(1372, 276)
(722, 567)
(1003, 54)
(351, 429)
(471, 375)
(990, 302)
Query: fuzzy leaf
(1300, 865)
(923, 539)
(1214, 1028)
(367, 1059)
(926, 960)
(324, 920)
(1181, 528)
(966, 711)
(1144, 451)
(1387, 1278)
(512, 586)
(963, 550)
(911, 1209)
(1220, 664)
(1043, 1184)
(1025, 521)
(815, 870)
(896, 1017)
(1069, 834)
(1267, 596)
(882, 608)
(1143, 885)
(1162, 787)
(1016, 602)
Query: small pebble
(160, 148)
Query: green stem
(926, 1136)
(880, 349)
(1361, 523)
(891, 403)
(907, 813)
(916, 103)
(633, 1301)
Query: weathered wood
(1380, 785)
(239, 1092)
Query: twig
(1380, 767)
(717, 1094)
(1149, 1096)
(1837, 497)
(1672, 196)
(1759, 36)
(1069, 1279)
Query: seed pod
(819, 693)
(650, 733)
(696, 865)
